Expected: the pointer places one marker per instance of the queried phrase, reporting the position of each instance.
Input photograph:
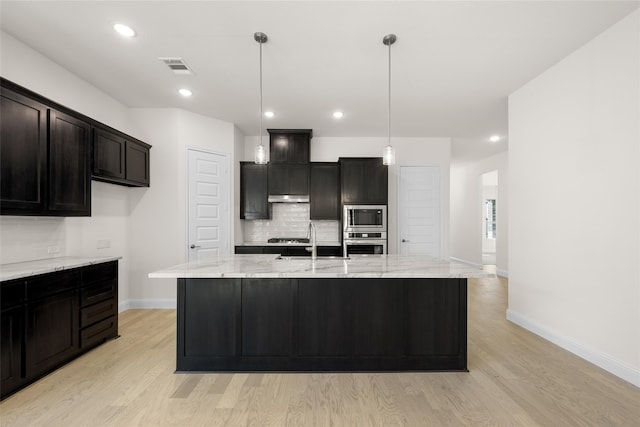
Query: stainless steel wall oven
(364, 229)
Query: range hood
(288, 198)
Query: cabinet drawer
(99, 292)
(49, 284)
(100, 272)
(99, 332)
(96, 312)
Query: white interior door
(208, 204)
(419, 211)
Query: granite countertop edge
(20, 270)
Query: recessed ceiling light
(124, 30)
(494, 138)
(338, 114)
(269, 114)
(185, 92)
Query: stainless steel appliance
(364, 229)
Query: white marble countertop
(19, 270)
(319, 243)
(368, 266)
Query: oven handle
(365, 242)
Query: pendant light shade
(260, 154)
(389, 154)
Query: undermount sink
(296, 257)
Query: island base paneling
(316, 324)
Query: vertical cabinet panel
(11, 349)
(324, 316)
(108, 154)
(433, 316)
(137, 163)
(377, 317)
(210, 325)
(69, 165)
(324, 191)
(267, 317)
(23, 154)
(51, 332)
(253, 191)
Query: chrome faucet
(311, 234)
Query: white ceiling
(453, 66)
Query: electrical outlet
(53, 249)
(103, 244)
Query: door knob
(194, 246)
(405, 241)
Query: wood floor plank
(515, 379)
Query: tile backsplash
(289, 220)
(31, 238)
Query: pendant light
(260, 154)
(389, 154)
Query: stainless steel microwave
(364, 218)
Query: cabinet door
(324, 191)
(108, 154)
(267, 317)
(51, 332)
(137, 164)
(364, 181)
(434, 325)
(377, 317)
(289, 179)
(11, 350)
(289, 146)
(253, 191)
(209, 316)
(69, 165)
(324, 318)
(23, 155)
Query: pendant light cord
(389, 110)
(260, 134)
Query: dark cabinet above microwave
(363, 181)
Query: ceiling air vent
(176, 65)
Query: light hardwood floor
(514, 378)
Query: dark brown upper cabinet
(48, 156)
(289, 145)
(69, 165)
(45, 158)
(23, 154)
(364, 181)
(324, 190)
(254, 191)
(119, 158)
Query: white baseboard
(146, 304)
(462, 261)
(604, 361)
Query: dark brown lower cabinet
(49, 319)
(267, 317)
(11, 348)
(322, 324)
(51, 332)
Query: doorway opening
(489, 217)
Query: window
(490, 218)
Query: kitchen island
(365, 313)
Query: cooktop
(288, 240)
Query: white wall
(466, 211)
(574, 212)
(409, 152)
(158, 214)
